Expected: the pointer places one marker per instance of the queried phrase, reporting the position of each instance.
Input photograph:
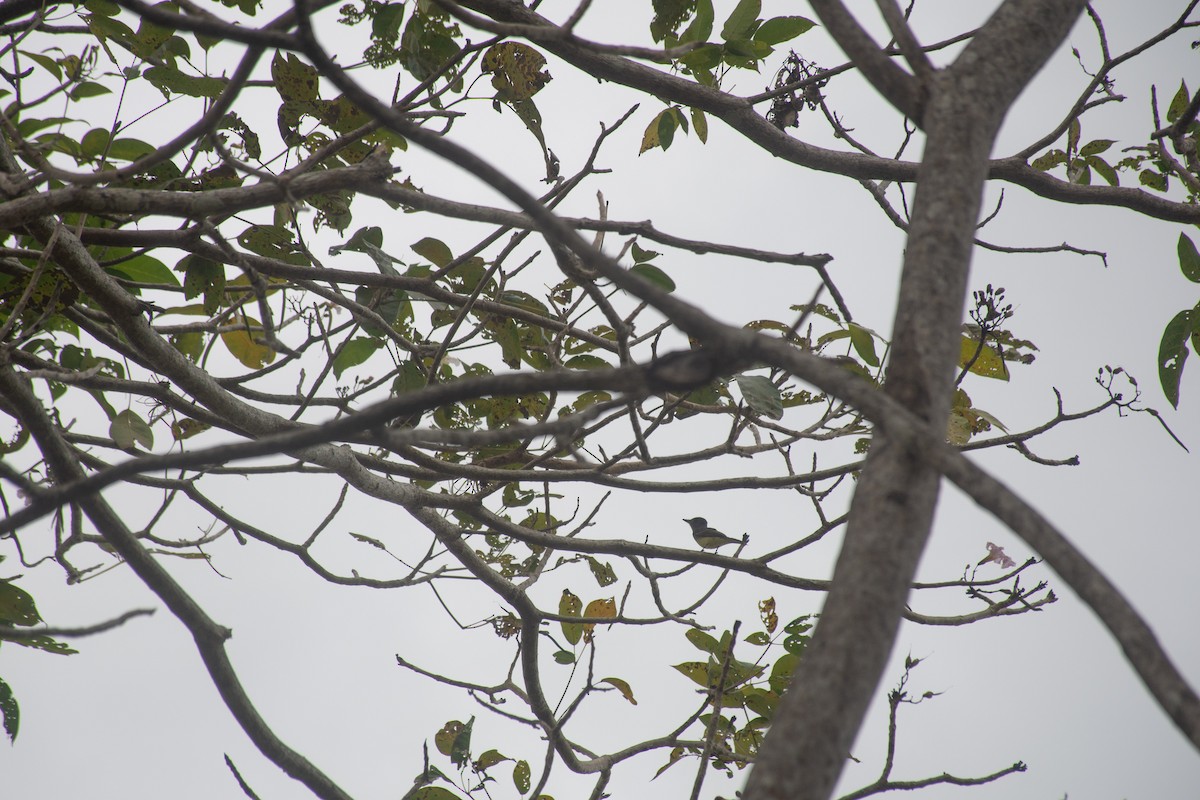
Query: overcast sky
(134, 714)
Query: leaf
(433, 793)
(1095, 147)
(988, 364)
(781, 673)
(187, 428)
(356, 351)
(521, 776)
(1172, 353)
(9, 711)
(1154, 180)
(759, 638)
(700, 123)
(653, 137)
(17, 606)
(676, 754)
(1073, 137)
(454, 740)
(242, 346)
(489, 759)
(696, 670)
(145, 269)
(1049, 160)
(740, 23)
(702, 640)
(668, 16)
(564, 657)
(129, 430)
(1178, 103)
(1189, 259)
(761, 395)
(621, 687)
(655, 276)
(602, 571)
(603, 607)
(569, 605)
(169, 79)
(640, 255)
(273, 241)
(864, 343)
(1106, 171)
(701, 25)
(666, 129)
(435, 250)
(293, 79)
(516, 70)
(781, 29)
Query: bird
(710, 538)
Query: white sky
(134, 715)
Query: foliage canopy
(207, 273)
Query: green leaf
(489, 759)
(602, 571)
(569, 605)
(703, 640)
(273, 241)
(703, 58)
(17, 606)
(761, 395)
(433, 793)
(435, 250)
(356, 351)
(9, 711)
(666, 129)
(701, 25)
(293, 79)
(864, 343)
(88, 89)
(242, 346)
(1189, 259)
(740, 22)
(1172, 353)
(521, 776)
(129, 430)
(781, 29)
(697, 671)
(1049, 160)
(989, 364)
(94, 142)
(202, 276)
(454, 740)
(760, 638)
(46, 63)
(516, 70)
(1104, 169)
(700, 123)
(1154, 180)
(621, 687)
(655, 276)
(781, 673)
(1095, 147)
(564, 656)
(1073, 137)
(1179, 102)
(129, 149)
(145, 269)
(169, 79)
(748, 50)
(668, 16)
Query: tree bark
(892, 511)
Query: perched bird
(710, 538)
